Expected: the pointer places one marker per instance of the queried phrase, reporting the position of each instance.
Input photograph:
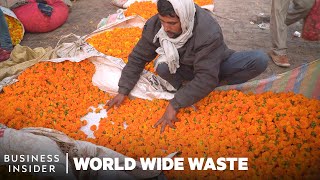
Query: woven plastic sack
(44, 141)
(112, 18)
(70, 49)
(24, 142)
(119, 3)
(126, 3)
(15, 26)
(311, 27)
(35, 21)
(304, 79)
(108, 68)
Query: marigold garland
(15, 29)
(279, 133)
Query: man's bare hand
(116, 101)
(167, 119)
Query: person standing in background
(281, 17)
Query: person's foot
(279, 60)
(4, 54)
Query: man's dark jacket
(203, 52)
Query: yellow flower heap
(15, 29)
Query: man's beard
(173, 35)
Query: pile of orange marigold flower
(203, 2)
(15, 29)
(53, 95)
(279, 133)
(147, 9)
(144, 9)
(118, 42)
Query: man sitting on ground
(191, 48)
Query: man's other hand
(116, 101)
(167, 119)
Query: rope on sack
(70, 49)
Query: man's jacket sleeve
(206, 71)
(142, 53)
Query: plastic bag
(70, 49)
(15, 28)
(35, 21)
(44, 141)
(311, 27)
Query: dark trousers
(238, 68)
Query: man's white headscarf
(168, 52)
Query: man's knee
(163, 70)
(261, 61)
(306, 5)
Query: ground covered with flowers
(279, 133)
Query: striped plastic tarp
(301, 80)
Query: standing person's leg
(279, 30)
(278, 27)
(299, 11)
(243, 66)
(5, 39)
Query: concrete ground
(234, 17)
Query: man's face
(171, 25)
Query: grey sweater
(203, 52)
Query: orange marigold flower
(93, 128)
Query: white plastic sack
(15, 142)
(108, 68)
(74, 49)
(44, 141)
(108, 73)
(112, 18)
(126, 3)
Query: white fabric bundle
(168, 53)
